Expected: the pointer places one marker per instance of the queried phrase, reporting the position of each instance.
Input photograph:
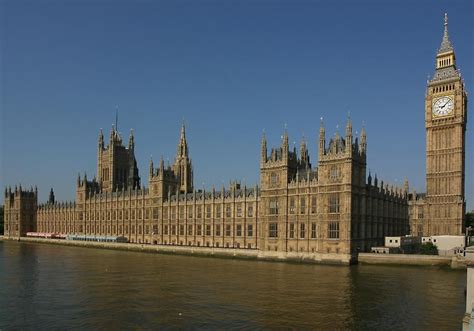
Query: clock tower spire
(445, 122)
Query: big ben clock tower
(445, 120)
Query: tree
(428, 249)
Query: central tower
(445, 121)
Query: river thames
(60, 287)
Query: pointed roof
(446, 45)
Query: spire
(101, 139)
(116, 118)
(263, 150)
(131, 140)
(445, 43)
(51, 196)
(162, 165)
(349, 134)
(182, 145)
(285, 137)
(322, 138)
(303, 147)
(405, 185)
(151, 166)
(183, 131)
(304, 152)
(363, 140)
(349, 125)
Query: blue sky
(231, 69)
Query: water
(59, 287)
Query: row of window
(444, 62)
(333, 205)
(239, 210)
(443, 88)
(333, 230)
(181, 230)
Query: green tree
(428, 249)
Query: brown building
(442, 209)
(334, 208)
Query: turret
(304, 157)
(349, 136)
(284, 145)
(182, 167)
(131, 141)
(322, 140)
(263, 148)
(101, 140)
(363, 141)
(51, 197)
(151, 166)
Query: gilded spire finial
(445, 43)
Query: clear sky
(231, 69)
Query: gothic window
(249, 230)
(199, 230)
(250, 211)
(302, 230)
(155, 213)
(181, 230)
(199, 212)
(273, 179)
(190, 212)
(208, 211)
(273, 206)
(313, 230)
(190, 230)
(155, 229)
(218, 230)
(227, 230)
(334, 203)
(173, 230)
(181, 212)
(333, 230)
(273, 230)
(173, 213)
(228, 211)
(292, 230)
(292, 205)
(313, 205)
(239, 230)
(218, 211)
(303, 205)
(334, 173)
(239, 210)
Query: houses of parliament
(336, 207)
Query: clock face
(443, 106)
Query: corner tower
(445, 122)
(116, 164)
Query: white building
(446, 244)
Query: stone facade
(443, 207)
(334, 208)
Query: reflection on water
(43, 286)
